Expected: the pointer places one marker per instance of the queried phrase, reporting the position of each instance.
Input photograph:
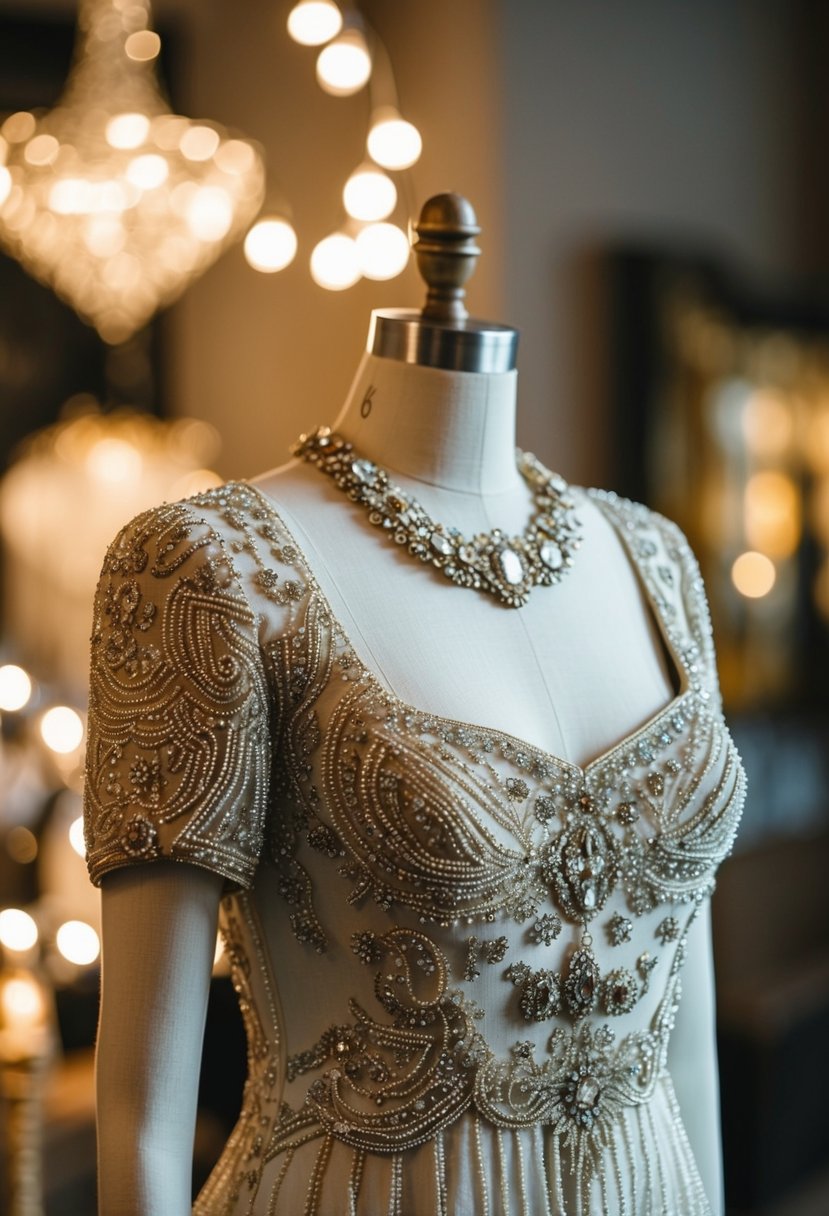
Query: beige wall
(569, 127)
(264, 356)
(643, 121)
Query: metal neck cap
(471, 346)
(442, 334)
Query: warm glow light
(62, 729)
(772, 513)
(111, 145)
(148, 171)
(210, 213)
(77, 196)
(199, 143)
(127, 130)
(394, 143)
(235, 157)
(334, 262)
(19, 127)
(105, 235)
(76, 836)
(369, 195)
(753, 574)
(344, 66)
(270, 245)
(312, 22)
(78, 942)
(15, 687)
(142, 45)
(18, 930)
(195, 483)
(114, 460)
(42, 150)
(767, 424)
(22, 1002)
(383, 251)
(219, 949)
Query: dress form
(575, 671)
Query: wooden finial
(446, 254)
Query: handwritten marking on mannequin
(368, 401)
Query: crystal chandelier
(110, 199)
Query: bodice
(425, 917)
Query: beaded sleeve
(178, 752)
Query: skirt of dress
(645, 1167)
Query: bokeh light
(312, 22)
(78, 942)
(335, 263)
(270, 245)
(383, 251)
(369, 195)
(18, 930)
(344, 66)
(392, 142)
(62, 729)
(15, 687)
(753, 574)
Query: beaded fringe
(646, 1168)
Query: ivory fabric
(458, 955)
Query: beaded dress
(457, 956)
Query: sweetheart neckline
(583, 771)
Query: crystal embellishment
(511, 567)
(363, 470)
(551, 555)
(507, 567)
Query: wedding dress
(458, 956)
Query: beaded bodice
(426, 918)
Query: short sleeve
(177, 759)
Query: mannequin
(577, 670)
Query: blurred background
(184, 287)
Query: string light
(369, 195)
(393, 142)
(344, 66)
(313, 22)
(270, 245)
(383, 251)
(335, 262)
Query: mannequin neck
(450, 429)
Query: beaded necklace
(507, 567)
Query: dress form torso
(575, 670)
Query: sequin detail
(445, 874)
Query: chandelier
(110, 199)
